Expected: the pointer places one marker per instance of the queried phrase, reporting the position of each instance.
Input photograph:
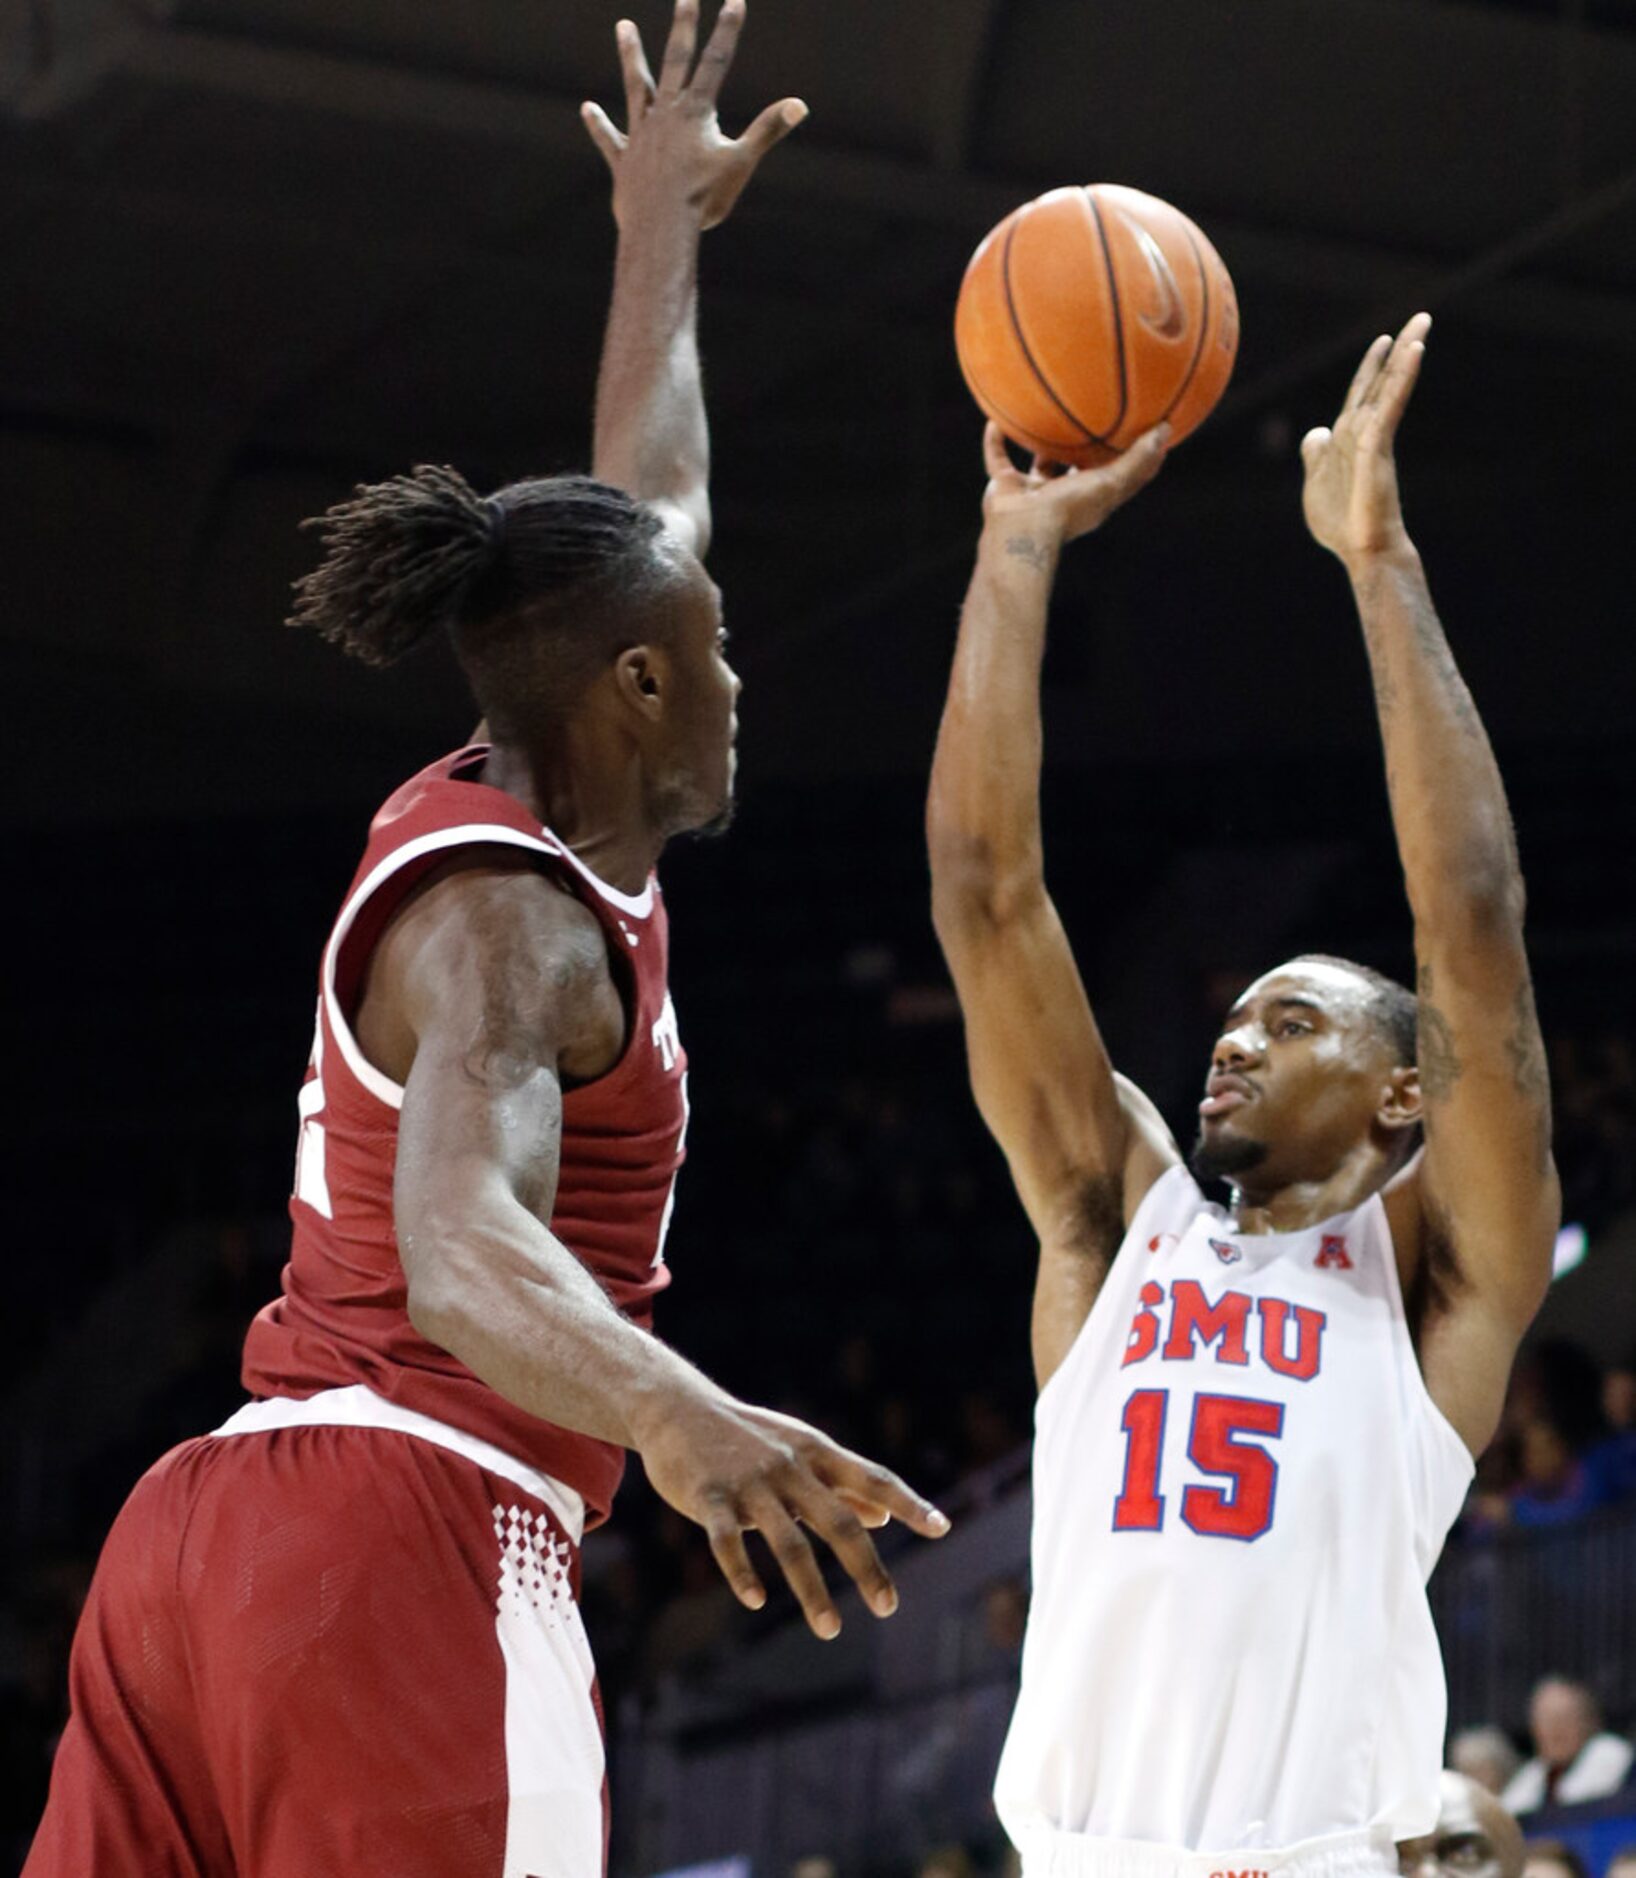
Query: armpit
(1438, 1279)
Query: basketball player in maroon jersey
(340, 1635)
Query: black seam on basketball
(1204, 327)
(992, 405)
(1087, 435)
(1118, 318)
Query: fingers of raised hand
(1313, 446)
(1368, 372)
(609, 140)
(684, 37)
(718, 51)
(794, 1557)
(1402, 369)
(633, 65)
(996, 458)
(772, 126)
(726, 1537)
(1145, 458)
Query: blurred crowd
(1566, 1444)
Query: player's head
(1314, 1070)
(1487, 1755)
(567, 603)
(1474, 1837)
(1552, 1858)
(1562, 1717)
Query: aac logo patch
(1332, 1254)
(1228, 1254)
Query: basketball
(1091, 313)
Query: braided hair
(537, 585)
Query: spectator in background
(1474, 1836)
(1551, 1858)
(1573, 1760)
(947, 1861)
(814, 1865)
(1553, 1427)
(1613, 1459)
(1486, 1755)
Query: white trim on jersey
(468, 834)
(639, 904)
(356, 1406)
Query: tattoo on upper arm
(1439, 1062)
(1026, 548)
(1525, 1050)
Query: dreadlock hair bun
(402, 558)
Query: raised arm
(1477, 1213)
(494, 984)
(1083, 1145)
(674, 175)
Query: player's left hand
(1351, 496)
(673, 144)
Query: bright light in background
(1570, 1249)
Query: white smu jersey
(1240, 1489)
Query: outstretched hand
(1351, 496)
(672, 141)
(735, 1469)
(1064, 503)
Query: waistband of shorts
(1048, 1853)
(359, 1407)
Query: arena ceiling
(255, 250)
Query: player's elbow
(1480, 892)
(439, 1258)
(974, 885)
(433, 1294)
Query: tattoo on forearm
(1440, 1066)
(1026, 548)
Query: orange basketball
(1090, 314)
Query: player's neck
(595, 806)
(1295, 1205)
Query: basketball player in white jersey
(1256, 1423)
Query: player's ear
(641, 677)
(1400, 1102)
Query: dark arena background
(254, 251)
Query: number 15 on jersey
(1226, 1440)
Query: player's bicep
(1039, 1071)
(1487, 1178)
(491, 983)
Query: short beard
(718, 824)
(1227, 1159)
(677, 814)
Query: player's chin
(720, 818)
(1220, 1152)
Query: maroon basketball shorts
(331, 1651)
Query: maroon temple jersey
(342, 1318)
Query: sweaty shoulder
(490, 945)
